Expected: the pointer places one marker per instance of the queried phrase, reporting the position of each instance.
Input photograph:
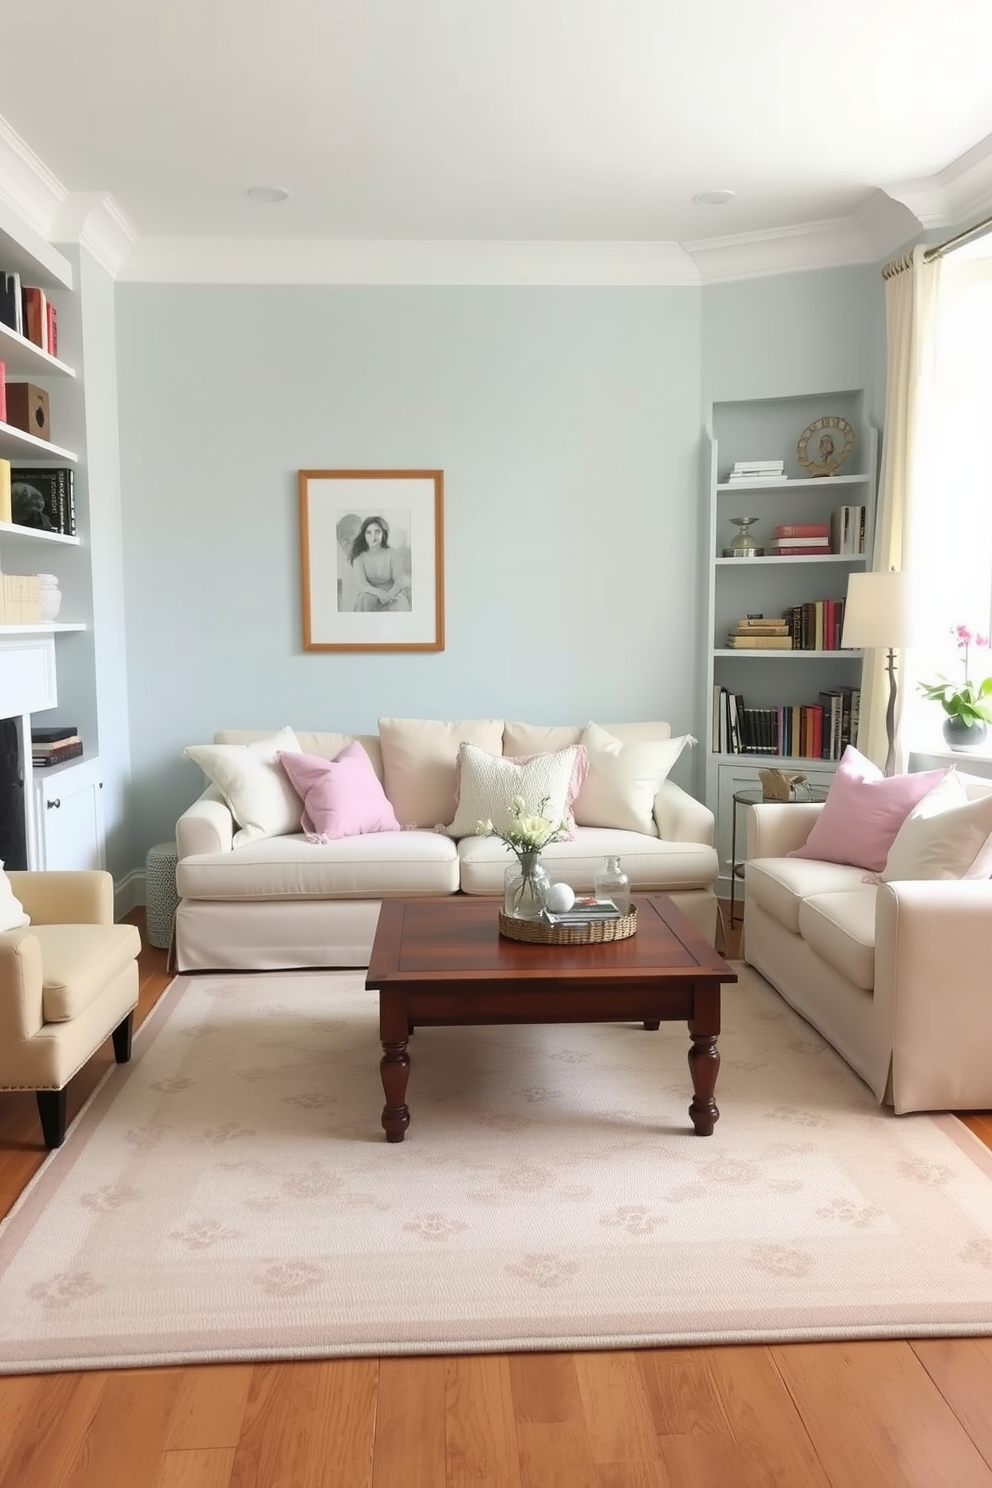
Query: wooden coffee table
(443, 961)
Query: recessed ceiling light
(268, 193)
(716, 198)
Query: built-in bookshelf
(775, 682)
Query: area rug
(230, 1195)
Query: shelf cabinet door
(68, 818)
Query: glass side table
(753, 796)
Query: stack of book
(27, 310)
(584, 911)
(20, 599)
(801, 540)
(847, 529)
(755, 632)
(757, 472)
(53, 746)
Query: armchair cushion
(78, 962)
(12, 915)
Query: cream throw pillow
(12, 916)
(944, 836)
(419, 761)
(254, 784)
(487, 783)
(623, 779)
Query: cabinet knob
(56, 803)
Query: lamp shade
(879, 611)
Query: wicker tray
(539, 932)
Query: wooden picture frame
(372, 556)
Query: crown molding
(890, 218)
(956, 196)
(276, 261)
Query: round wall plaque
(825, 444)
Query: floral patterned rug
(229, 1195)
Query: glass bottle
(525, 888)
(612, 883)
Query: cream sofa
(896, 976)
(284, 901)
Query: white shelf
(14, 444)
(857, 559)
(22, 358)
(811, 482)
(44, 627)
(779, 653)
(19, 534)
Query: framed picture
(372, 551)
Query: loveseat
(259, 891)
(890, 963)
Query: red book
(801, 552)
(35, 303)
(53, 330)
(803, 529)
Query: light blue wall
(567, 423)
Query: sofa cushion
(79, 961)
(623, 779)
(780, 885)
(325, 745)
(650, 863)
(342, 797)
(419, 756)
(487, 783)
(367, 867)
(12, 913)
(863, 812)
(945, 836)
(841, 929)
(253, 783)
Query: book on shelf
(35, 315)
(818, 540)
(781, 628)
(56, 733)
(751, 479)
(53, 330)
(759, 642)
(3, 392)
(42, 749)
(821, 552)
(20, 599)
(44, 498)
(11, 309)
(758, 467)
(5, 507)
(57, 756)
(801, 529)
(847, 529)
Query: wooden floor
(834, 1414)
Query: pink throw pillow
(863, 812)
(342, 797)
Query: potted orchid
(525, 834)
(967, 704)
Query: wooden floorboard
(892, 1414)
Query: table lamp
(878, 613)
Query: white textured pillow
(623, 780)
(945, 836)
(254, 784)
(12, 916)
(487, 783)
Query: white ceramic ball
(560, 898)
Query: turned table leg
(704, 1066)
(394, 1066)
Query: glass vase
(525, 888)
(612, 883)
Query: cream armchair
(68, 981)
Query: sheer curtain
(911, 474)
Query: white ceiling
(841, 127)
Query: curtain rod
(939, 249)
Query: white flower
(526, 832)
